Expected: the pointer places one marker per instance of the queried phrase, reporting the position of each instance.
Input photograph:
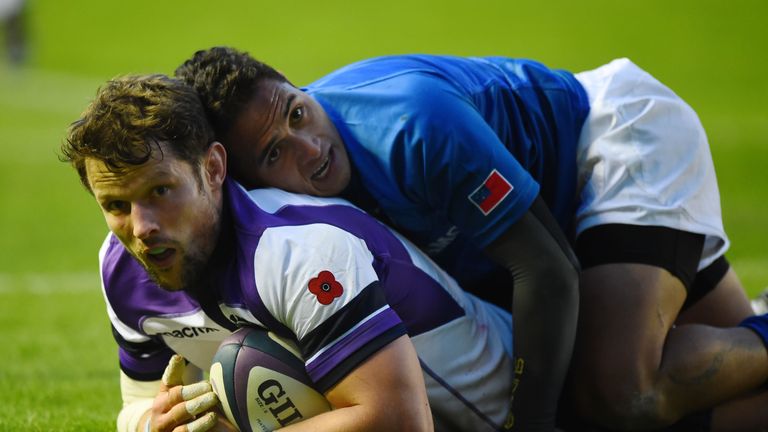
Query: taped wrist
(137, 399)
(129, 419)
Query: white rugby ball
(261, 382)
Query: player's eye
(273, 155)
(297, 114)
(161, 190)
(118, 207)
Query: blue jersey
(454, 150)
(339, 283)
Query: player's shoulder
(297, 226)
(255, 211)
(272, 200)
(390, 75)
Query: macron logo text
(189, 332)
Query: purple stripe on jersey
(458, 396)
(344, 348)
(419, 300)
(133, 295)
(245, 293)
(407, 287)
(154, 363)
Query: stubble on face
(187, 221)
(192, 267)
(198, 253)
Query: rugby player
(388, 337)
(473, 155)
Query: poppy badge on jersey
(325, 287)
(493, 190)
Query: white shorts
(644, 159)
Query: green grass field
(58, 368)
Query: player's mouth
(160, 257)
(322, 171)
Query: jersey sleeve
(320, 282)
(142, 358)
(454, 161)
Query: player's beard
(193, 265)
(197, 255)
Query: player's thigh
(725, 306)
(626, 311)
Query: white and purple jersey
(336, 280)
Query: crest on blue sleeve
(493, 190)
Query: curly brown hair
(129, 118)
(226, 80)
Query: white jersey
(337, 281)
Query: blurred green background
(58, 369)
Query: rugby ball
(261, 382)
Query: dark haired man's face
(284, 139)
(165, 212)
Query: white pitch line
(47, 283)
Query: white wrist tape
(129, 418)
(137, 399)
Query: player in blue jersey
(388, 337)
(472, 155)
(403, 171)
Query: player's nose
(308, 147)
(143, 221)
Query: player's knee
(622, 402)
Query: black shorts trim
(706, 280)
(676, 251)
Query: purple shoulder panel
(406, 286)
(132, 294)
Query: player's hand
(180, 408)
(222, 424)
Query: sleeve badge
(325, 287)
(493, 190)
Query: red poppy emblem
(325, 287)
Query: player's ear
(216, 163)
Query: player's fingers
(180, 394)
(189, 392)
(201, 403)
(204, 423)
(172, 376)
(185, 411)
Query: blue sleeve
(453, 161)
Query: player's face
(284, 139)
(165, 212)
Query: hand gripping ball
(261, 382)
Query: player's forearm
(545, 311)
(360, 418)
(384, 393)
(544, 336)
